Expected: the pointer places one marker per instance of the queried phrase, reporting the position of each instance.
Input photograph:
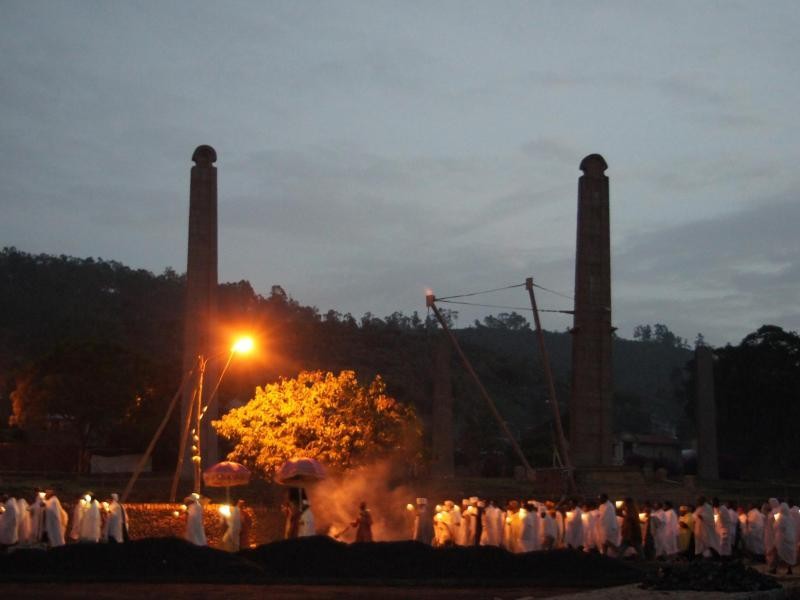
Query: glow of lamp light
(175, 513)
(225, 510)
(777, 516)
(585, 517)
(183, 507)
(716, 518)
(88, 498)
(523, 513)
(457, 508)
(105, 506)
(409, 507)
(642, 516)
(42, 495)
(438, 508)
(570, 514)
(619, 503)
(508, 520)
(243, 345)
(439, 517)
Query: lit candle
(570, 514)
(105, 506)
(409, 507)
(619, 503)
(642, 517)
(175, 513)
(523, 513)
(225, 510)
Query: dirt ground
(102, 591)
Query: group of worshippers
(234, 518)
(43, 521)
(769, 532)
(520, 526)
(621, 528)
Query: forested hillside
(49, 306)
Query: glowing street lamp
(242, 346)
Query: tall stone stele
(706, 415)
(590, 404)
(201, 298)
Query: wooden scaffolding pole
(563, 447)
(430, 300)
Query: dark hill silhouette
(47, 301)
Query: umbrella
(298, 472)
(226, 474)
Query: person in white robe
(529, 529)
(305, 524)
(607, 527)
(195, 531)
(77, 517)
(469, 512)
(91, 523)
(706, 540)
(116, 525)
(492, 525)
(723, 527)
(671, 529)
(512, 528)
(754, 532)
(588, 517)
(573, 527)
(785, 538)
(443, 527)
(232, 519)
(36, 511)
(23, 521)
(9, 521)
(454, 511)
(55, 520)
(658, 527)
(548, 529)
(423, 522)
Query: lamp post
(197, 411)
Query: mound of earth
(325, 559)
(706, 576)
(155, 559)
(310, 560)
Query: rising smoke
(335, 502)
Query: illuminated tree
(321, 415)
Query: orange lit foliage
(321, 415)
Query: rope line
(508, 287)
(536, 285)
(526, 308)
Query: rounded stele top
(594, 165)
(204, 156)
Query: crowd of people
(655, 530)
(44, 521)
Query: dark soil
(706, 576)
(317, 559)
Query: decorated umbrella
(299, 472)
(226, 474)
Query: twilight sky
(368, 150)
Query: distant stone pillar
(590, 403)
(443, 461)
(201, 297)
(706, 415)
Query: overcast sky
(368, 150)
